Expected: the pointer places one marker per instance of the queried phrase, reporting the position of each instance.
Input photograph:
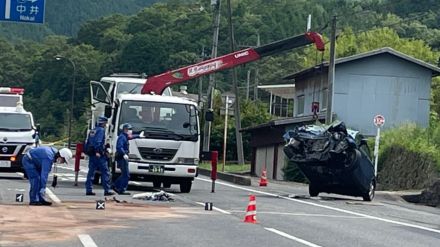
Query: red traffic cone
(251, 211)
(263, 178)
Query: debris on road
(157, 196)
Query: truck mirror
(37, 127)
(108, 111)
(209, 116)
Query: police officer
(37, 164)
(95, 148)
(121, 157)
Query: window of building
(324, 97)
(300, 105)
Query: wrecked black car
(333, 159)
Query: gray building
(382, 81)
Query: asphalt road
(286, 217)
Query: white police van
(17, 130)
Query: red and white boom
(157, 84)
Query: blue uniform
(122, 147)
(97, 140)
(37, 163)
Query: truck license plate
(5, 163)
(156, 169)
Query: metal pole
(238, 136)
(376, 151)
(270, 104)
(331, 73)
(71, 103)
(257, 72)
(216, 23)
(247, 84)
(225, 132)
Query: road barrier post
(78, 151)
(214, 160)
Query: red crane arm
(157, 84)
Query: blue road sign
(31, 11)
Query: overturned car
(333, 159)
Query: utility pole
(331, 73)
(216, 24)
(238, 136)
(248, 78)
(257, 72)
(199, 100)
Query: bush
(409, 157)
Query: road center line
(326, 207)
(86, 240)
(292, 237)
(52, 196)
(215, 208)
(303, 214)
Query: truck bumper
(161, 170)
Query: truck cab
(17, 130)
(169, 152)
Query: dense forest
(173, 33)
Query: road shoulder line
(299, 240)
(86, 240)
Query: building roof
(285, 121)
(284, 91)
(435, 70)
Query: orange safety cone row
(263, 178)
(251, 211)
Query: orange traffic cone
(251, 211)
(263, 178)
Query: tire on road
(313, 190)
(185, 186)
(368, 197)
(166, 185)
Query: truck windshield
(161, 120)
(15, 122)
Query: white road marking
(303, 214)
(327, 207)
(136, 183)
(86, 240)
(292, 237)
(52, 196)
(215, 208)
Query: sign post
(30, 11)
(379, 121)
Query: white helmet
(66, 154)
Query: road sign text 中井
(31, 11)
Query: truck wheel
(156, 184)
(313, 190)
(368, 197)
(185, 187)
(96, 178)
(167, 185)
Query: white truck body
(17, 132)
(169, 153)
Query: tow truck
(17, 130)
(169, 153)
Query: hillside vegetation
(170, 34)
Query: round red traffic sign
(379, 120)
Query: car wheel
(313, 190)
(368, 197)
(156, 184)
(185, 187)
(167, 185)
